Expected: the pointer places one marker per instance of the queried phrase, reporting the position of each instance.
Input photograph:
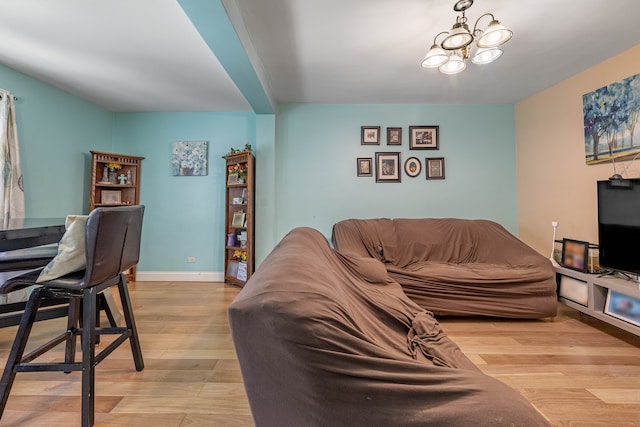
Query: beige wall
(554, 183)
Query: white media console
(588, 293)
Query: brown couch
(456, 266)
(330, 340)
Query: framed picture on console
(575, 254)
(622, 306)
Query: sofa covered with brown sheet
(328, 340)
(454, 266)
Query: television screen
(619, 224)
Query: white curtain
(12, 194)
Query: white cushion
(71, 256)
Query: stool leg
(130, 322)
(88, 343)
(19, 344)
(72, 328)
(104, 305)
(97, 314)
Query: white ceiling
(125, 55)
(145, 55)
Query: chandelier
(451, 54)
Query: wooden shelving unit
(239, 218)
(120, 187)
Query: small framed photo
(387, 167)
(434, 167)
(412, 167)
(238, 219)
(424, 137)
(622, 306)
(110, 197)
(394, 136)
(370, 135)
(364, 166)
(233, 178)
(575, 254)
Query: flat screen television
(619, 225)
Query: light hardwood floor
(577, 371)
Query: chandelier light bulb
(495, 35)
(435, 57)
(458, 38)
(455, 65)
(486, 55)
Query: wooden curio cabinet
(115, 180)
(239, 218)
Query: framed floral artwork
(190, 158)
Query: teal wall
(305, 166)
(265, 200)
(317, 147)
(184, 214)
(56, 130)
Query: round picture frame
(412, 167)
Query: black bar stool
(112, 245)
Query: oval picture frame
(412, 167)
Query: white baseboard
(179, 276)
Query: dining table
(20, 233)
(27, 243)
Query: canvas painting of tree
(611, 116)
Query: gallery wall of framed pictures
(387, 166)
